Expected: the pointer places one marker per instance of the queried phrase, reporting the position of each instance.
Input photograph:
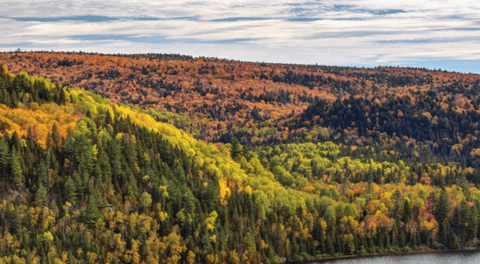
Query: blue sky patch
(427, 40)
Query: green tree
(93, 213)
(236, 148)
(319, 236)
(4, 161)
(43, 172)
(132, 187)
(71, 190)
(406, 210)
(146, 200)
(17, 169)
(443, 207)
(330, 217)
(41, 194)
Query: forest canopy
(294, 162)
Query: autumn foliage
(309, 162)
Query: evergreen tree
(71, 190)
(55, 135)
(319, 236)
(43, 172)
(103, 165)
(41, 194)
(406, 211)
(92, 214)
(4, 161)
(236, 149)
(17, 169)
(132, 187)
(4, 154)
(443, 207)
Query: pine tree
(4, 156)
(98, 197)
(41, 195)
(132, 187)
(17, 169)
(92, 214)
(406, 211)
(95, 203)
(319, 236)
(85, 181)
(71, 190)
(4, 162)
(443, 207)
(43, 172)
(103, 164)
(166, 152)
(236, 148)
(55, 135)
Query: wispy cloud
(332, 32)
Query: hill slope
(85, 179)
(260, 103)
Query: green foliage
(71, 190)
(41, 194)
(92, 214)
(146, 200)
(4, 155)
(236, 148)
(17, 171)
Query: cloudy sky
(433, 34)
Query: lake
(465, 257)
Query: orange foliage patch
(39, 121)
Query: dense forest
(173, 159)
(262, 103)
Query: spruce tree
(4, 156)
(443, 207)
(236, 148)
(4, 162)
(71, 190)
(92, 214)
(319, 236)
(41, 194)
(132, 187)
(17, 169)
(43, 172)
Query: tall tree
(17, 169)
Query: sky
(435, 34)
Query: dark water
(434, 258)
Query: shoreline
(418, 252)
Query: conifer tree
(92, 214)
(236, 148)
(43, 172)
(71, 190)
(41, 194)
(132, 187)
(4, 162)
(17, 169)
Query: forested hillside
(260, 162)
(261, 103)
